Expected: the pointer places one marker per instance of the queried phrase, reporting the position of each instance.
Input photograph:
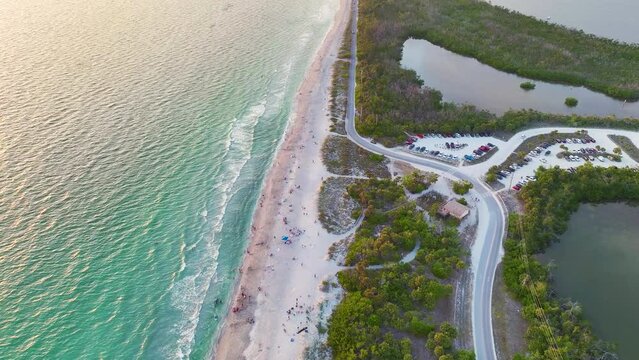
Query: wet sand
(278, 292)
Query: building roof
(455, 209)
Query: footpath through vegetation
(398, 310)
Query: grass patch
(342, 157)
(626, 145)
(339, 99)
(347, 38)
(339, 85)
(336, 206)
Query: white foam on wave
(189, 293)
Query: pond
(596, 265)
(465, 80)
(615, 19)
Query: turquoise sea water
(134, 139)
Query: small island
(527, 85)
(571, 102)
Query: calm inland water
(596, 265)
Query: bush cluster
(385, 310)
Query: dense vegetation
(557, 329)
(462, 187)
(391, 100)
(571, 102)
(527, 85)
(386, 312)
(626, 145)
(417, 181)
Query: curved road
(492, 234)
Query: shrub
(527, 85)
(415, 182)
(462, 187)
(571, 101)
(376, 157)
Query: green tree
(415, 182)
(461, 187)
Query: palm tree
(573, 309)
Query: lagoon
(614, 19)
(465, 80)
(596, 266)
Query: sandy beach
(278, 294)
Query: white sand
(275, 276)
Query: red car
(421, 136)
(517, 187)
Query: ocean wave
(188, 293)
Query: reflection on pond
(466, 80)
(596, 265)
(614, 19)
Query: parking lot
(460, 148)
(546, 156)
(454, 148)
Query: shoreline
(273, 279)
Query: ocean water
(134, 139)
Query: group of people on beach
(239, 302)
(297, 310)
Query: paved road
(492, 232)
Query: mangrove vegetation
(557, 330)
(392, 101)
